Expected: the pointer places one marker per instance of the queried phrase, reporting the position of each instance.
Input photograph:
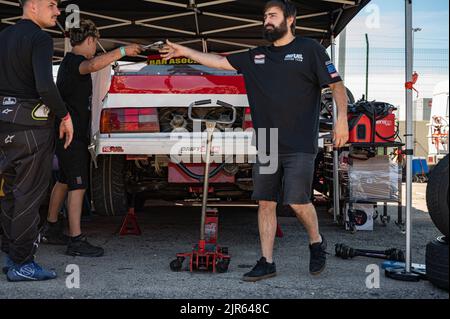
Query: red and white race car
(143, 140)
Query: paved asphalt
(138, 267)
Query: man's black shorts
(73, 164)
(290, 184)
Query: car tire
(109, 194)
(438, 196)
(437, 262)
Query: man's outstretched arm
(173, 50)
(102, 61)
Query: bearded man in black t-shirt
(284, 83)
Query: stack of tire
(438, 207)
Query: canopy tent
(223, 26)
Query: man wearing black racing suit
(29, 101)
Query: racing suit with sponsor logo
(29, 100)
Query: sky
(384, 22)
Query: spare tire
(437, 196)
(437, 262)
(109, 194)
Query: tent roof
(223, 25)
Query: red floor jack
(207, 255)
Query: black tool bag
(30, 112)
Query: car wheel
(109, 194)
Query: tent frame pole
(409, 128)
(336, 186)
(405, 274)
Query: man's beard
(276, 33)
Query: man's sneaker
(79, 246)
(8, 264)
(318, 257)
(262, 270)
(29, 272)
(52, 234)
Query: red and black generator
(372, 122)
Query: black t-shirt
(76, 91)
(26, 68)
(284, 90)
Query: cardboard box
(374, 179)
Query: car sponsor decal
(112, 149)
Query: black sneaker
(318, 257)
(79, 246)
(262, 270)
(52, 234)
